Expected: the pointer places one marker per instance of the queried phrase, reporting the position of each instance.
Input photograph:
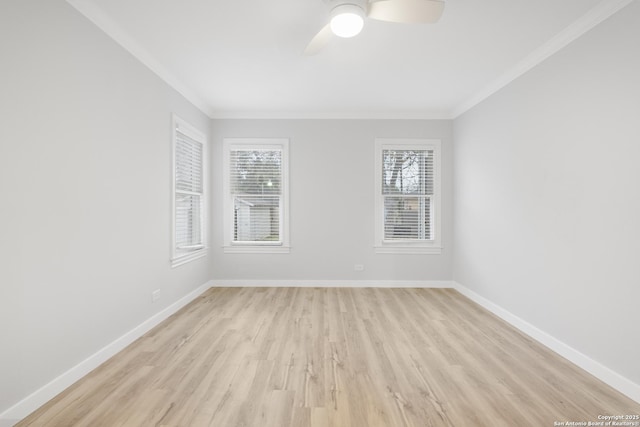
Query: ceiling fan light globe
(347, 20)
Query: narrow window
(256, 199)
(407, 196)
(188, 237)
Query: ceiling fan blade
(407, 11)
(319, 41)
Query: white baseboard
(606, 375)
(47, 392)
(32, 402)
(332, 283)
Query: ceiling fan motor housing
(362, 4)
(347, 20)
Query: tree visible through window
(407, 191)
(407, 196)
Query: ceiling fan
(347, 17)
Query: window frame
(408, 246)
(181, 257)
(231, 246)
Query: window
(188, 234)
(407, 196)
(256, 195)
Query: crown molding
(588, 21)
(595, 16)
(103, 21)
(98, 17)
(327, 115)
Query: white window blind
(255, 177)
(188, 215)
(407, 201)
(407, 191)
(188, 193)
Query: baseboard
(44, 394)
(233, 283)
(38, 398)
(606, 375)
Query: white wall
(332, 202)
(84, 193)
(547, 199)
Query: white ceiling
(243, 58)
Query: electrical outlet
(358, 267)
(155, 295)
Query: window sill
(185, 258)
(256, 249)
(409, 250)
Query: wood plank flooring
(341, 357)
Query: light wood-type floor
(333, 357)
